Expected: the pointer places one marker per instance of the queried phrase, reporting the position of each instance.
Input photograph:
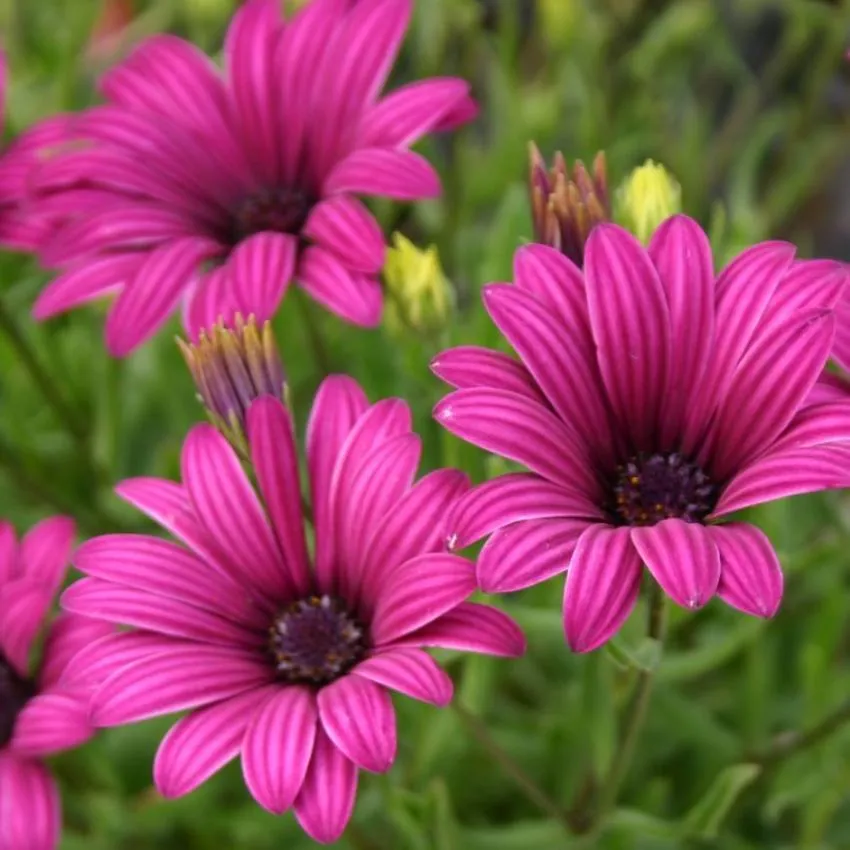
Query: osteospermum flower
(39, 714)
(281, 657)
(650, 402)
(216, 191)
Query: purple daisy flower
(39, 713)
(285, 659)
(650, 401)
(216, 190)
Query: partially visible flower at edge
(420, 294)
(566, 205)
(20, 230)
(39, 714)
(648, 196)
(282, 658)
(216, 190)
(232, 366)
(650, 402)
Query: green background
(746, 103)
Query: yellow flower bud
(648, 196)
(419, 294)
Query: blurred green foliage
(753, 144)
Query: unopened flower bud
(648, 196)
(420, 295)
(565, 204)
(232, 366)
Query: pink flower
(215, 191)
(19, 229)
(650, 401)
(281, 657)
(39, 714)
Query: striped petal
(397, 174)
(409, 671)
(344, 226)
(30, 812)
(50, 723)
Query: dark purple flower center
(15, 692)
(316, 640)
(281, 210)
(650, 488)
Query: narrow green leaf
(706, 817)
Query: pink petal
(202, 743)
(344, 226)
(742, 293)
(179, 678)
(682, 256)
(397, 174)
(418, 592)
(89, 279)
(841, 347)
(407, 114)
(94, 663)
(829, 386)
(365, 497)
(468, 367)
(791, 472)
(326, 801)
(23, 606)
(751, 578)
(770, 384)
(307, 38)
(682, 558)
(9, 563)
(354, 70)
(249, 52)
(30, 813)
(278, 746)
(115, 603)
(355, 297)
(68, 635)
(602, 587)
(162, 568)
(167, 503)
(230, 511)
(358, 717)
(413, 527)
(209, 299)
(526, 553)
(470, 627)
(261, 268)
(275, 459)
(409, 671)
(146, 301)
(817, 425)
(45, 551)
(508, 499)
(557, 283)
(631, 326)
(809, 283)
(338, 405)
(384, 421)
(50, 723)
(518, 429)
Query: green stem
(42, 377)
(523, 781)
(635, 714)
(790, 743)
(314, 336)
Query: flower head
(39, 713)
(216, 190)
(419, 291)
(651, 400)
(648, 196)
(231, 367)
(284, 658)
(566, 206)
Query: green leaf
(706, 817)
(645, 656)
